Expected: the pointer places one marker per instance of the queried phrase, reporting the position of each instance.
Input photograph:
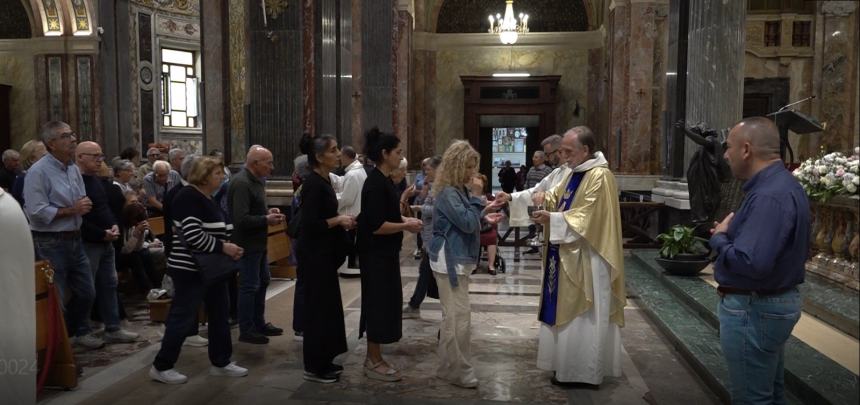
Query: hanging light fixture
(509, 28)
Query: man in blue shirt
(55, 200)
(762, 251)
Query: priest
(582, 295)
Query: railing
(836, 241)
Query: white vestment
(17, 306)
(521, 200)
(587, 348)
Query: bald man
(762, 250)
(246, 199)
(98, 230)
(157, 183)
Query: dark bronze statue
(708, 168)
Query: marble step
(695, 338)
(832, 303)
(809, 375)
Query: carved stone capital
(838, 8)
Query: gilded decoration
(274, 8)
(52, 15)
(238, 74)
(185, 7)
(82, 20)
(176, 27)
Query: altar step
(685, 309)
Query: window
(771, 33)
(781, 6)
(178, 89)
(800, 33)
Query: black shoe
(325, 378)
(335, 368)
(253, 338)
(271, 330)
(531, 251)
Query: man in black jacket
(98, 231)
(246, 199)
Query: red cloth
(490, 237)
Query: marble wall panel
(839, 76)
(17, 71)
(345, 79)
(275, 86)
(84, 85)
(571, 65)
(326, 68)
(377, 22)
(239, 44)
(402, 107)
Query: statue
(708, 168)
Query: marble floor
(504, 345)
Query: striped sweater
(202, 225)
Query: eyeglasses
(553, 152)
(68, 135)
(96, 156)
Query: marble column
(633, 140)
(216, 83)
(839, 76)
(401, 108)
(377, 64)
(238, 45)
(357, 78)
(715, 76)
(309, 67)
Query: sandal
(390, 374)
(491, 272)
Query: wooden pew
(279, 249)
(156, 225)
(62, 371)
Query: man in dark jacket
(98, 230)
(246, 199)
(508, 177)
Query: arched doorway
(506, 108)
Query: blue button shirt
(767, 242)
(49, 186)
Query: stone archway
(62, 17)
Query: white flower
(851, 188)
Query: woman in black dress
(380, 235)
(321, 249)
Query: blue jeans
(254, 278)
(753, 332)
(425, 274)
(182, 319)
(73, 278)
(103, 265)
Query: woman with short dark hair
(321, 248)
(380, 236)
(200, 227)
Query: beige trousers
(455, 353)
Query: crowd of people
(349, 215)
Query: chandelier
(508, 27)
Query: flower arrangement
(830, 174)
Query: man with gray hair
(152, 155)
(10, 168)
(246, 199)
(55, 201)
(175, 157)
(157, 184)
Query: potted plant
(683, 253)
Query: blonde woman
(453, 252)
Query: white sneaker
(167, 376)
(196, 341)
(230, 370)
(121, 336)
(299, 337)
(89, 341)
(411, 313)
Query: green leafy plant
(681, 240)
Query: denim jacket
(457, 225)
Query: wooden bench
(62, 371)
(279, 249)
(156, 225)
